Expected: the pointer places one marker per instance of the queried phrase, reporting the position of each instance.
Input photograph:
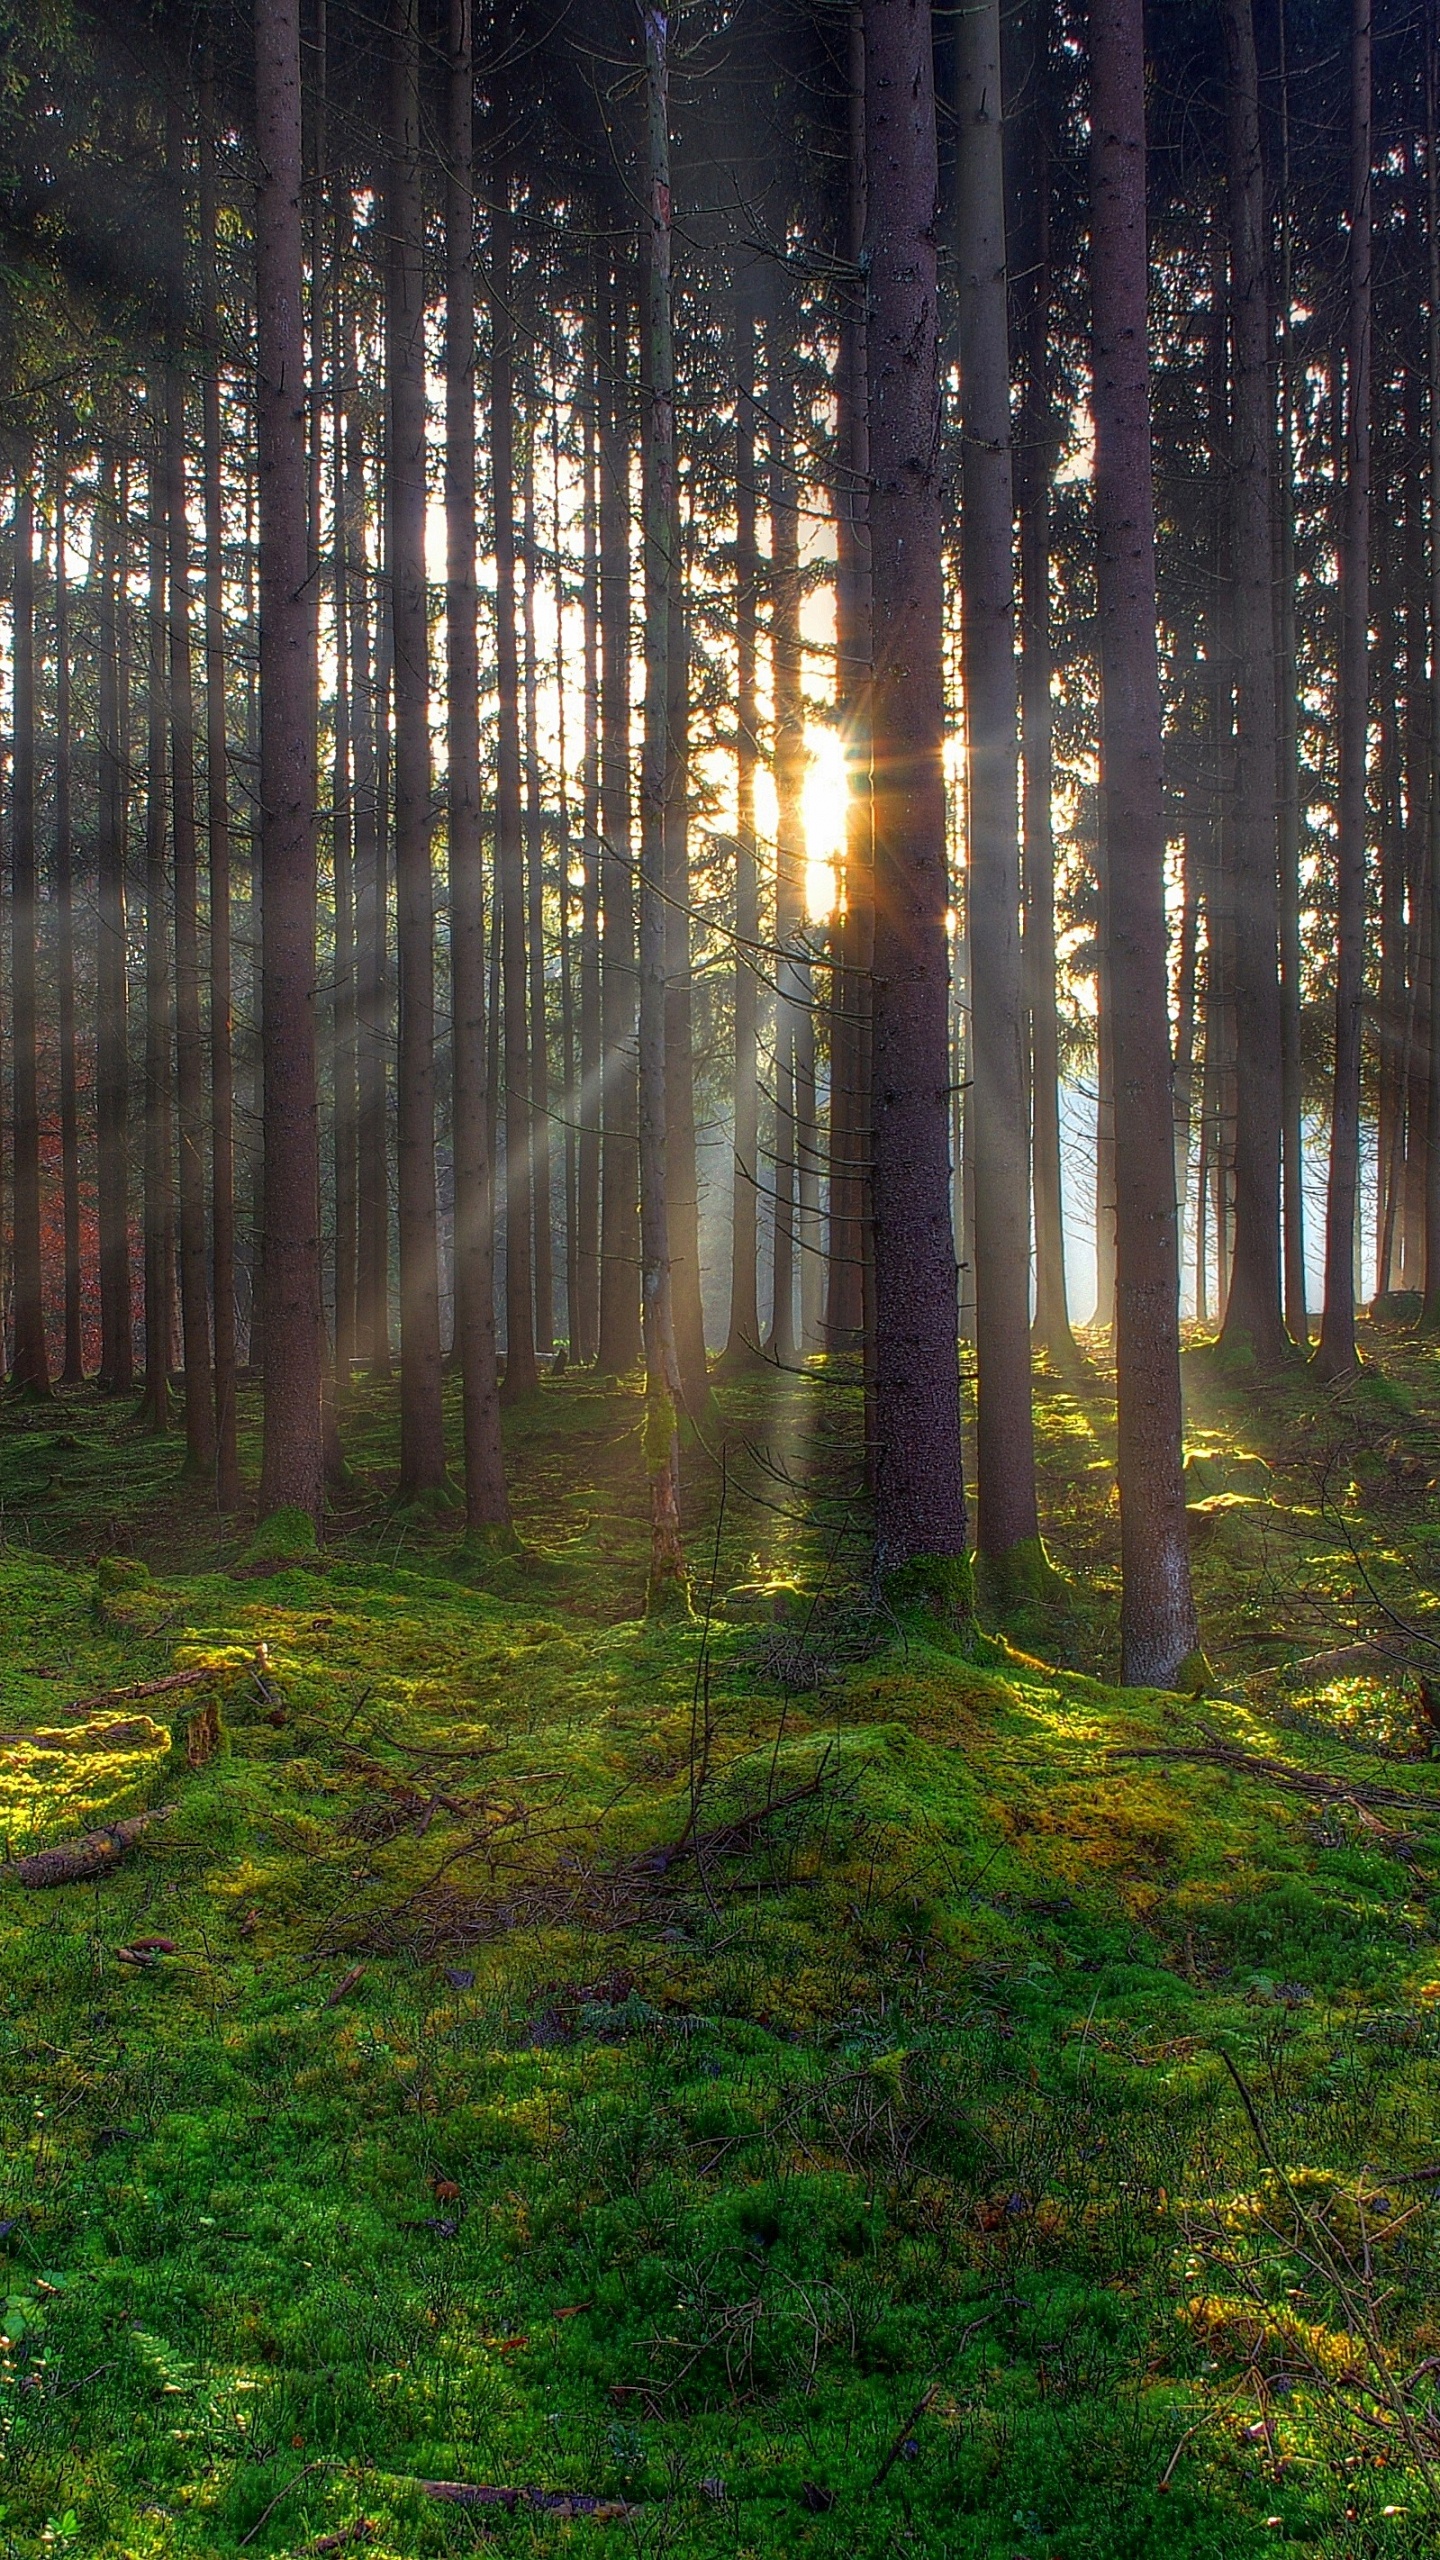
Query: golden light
(826, 802)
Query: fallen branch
(135, 1695)
(91, 1737)
(1217, 1753)
(79, 1861)
(321, 2461)
(564, 2503)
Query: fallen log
(562, 2503)
(80, 1861)
(103, 1700)
(1217, 1753)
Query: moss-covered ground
(808, 2085)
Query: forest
(720, 1278)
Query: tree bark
(154, 1410)
(217, 814)
(292, 1470)
(1292, 1210)
(368, 713)
(349, 569)
(73, 1368)
(1005, 1447)
(919, 1484)
(112, 1067)
(30, 1364)
(422, 1425)
(521, 1369)
(667, 1584)
(541, 1176)
(792, 975)
(620, 1326)
(1158, 1629)
(1335, 1355)
(743, 1338)
(681, 1178)
(585, 1314)
(1253, 1316)
(487, 1504)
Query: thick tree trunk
(521, 1370)
(1335, 1355)
(919, 1484)
(189, 1043)
(667, 1584)
(585, 1312)
(349, 569)
(1009, 1526)
(1253, 1315)
(30, 1365)
(1035, 462)
(154, 1410)
(368, 712)
(681, 1179)
(620, 1327)
(541, 1175)
(217, 815)
(292, 1470)
(112, 1065)
(487, 1505)
(73, 1369)
(792, 974)
(1158, 1630)
(1432, 359)
(422, 1426)
(849, 1227)
(1292, 1209)
(743, 1338)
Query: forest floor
(803, 2085)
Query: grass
(999, 2147)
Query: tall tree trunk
(487, 1504)
(73, 1369)
(217, 815)
(112, 1067)
(154, 1409)
(189, 1044)
(1431, 1316)
(682, 1199)
(620, 1326)
(667, 1583)
(1335, 1354)
(541, 1201)
(521, 1370)
(1009, 1527)
(1253, 1315)
(1035, 465)
(585, 1314)
(1158, 1630)
(743, 1338)
(30, 1366)
(368, 711)
(292, 1469)
(1292, 1208)
(349, 570)
(792, 973)
(919, 1481)
(422, 1426)
(849, 1276)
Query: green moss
(286, 1536)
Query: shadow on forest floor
(802, 2086)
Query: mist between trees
(692, 687)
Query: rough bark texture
(487, 1506)
(585, 1313)
(1335, 1354)
(292, 1468)
(1253, 1310)
(30, 1365)
(112, 1067)
(619, 1168)
(217, 819)
(538, 1087)
(742, 1340)
(1158, 1630)
(1005, 1433)
(667, 1579)
(783, 1342)
(422, 1428)
(521, 1371)
(159, 1238)
(189, 1042)
(919, 1486)
(73, 1366)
